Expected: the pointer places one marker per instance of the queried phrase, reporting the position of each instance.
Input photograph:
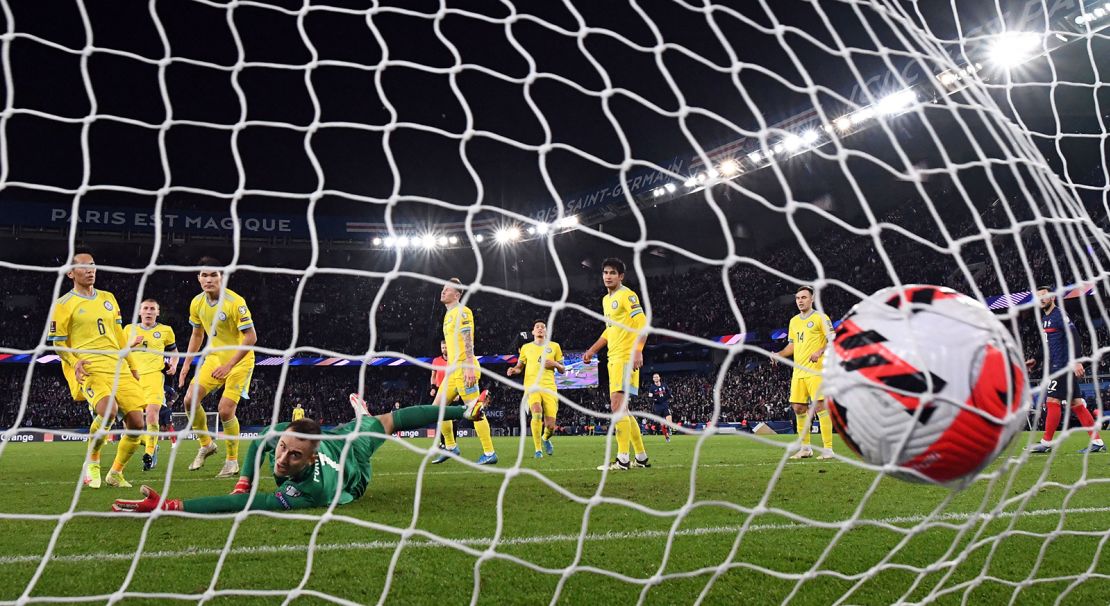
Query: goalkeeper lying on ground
(307, 470)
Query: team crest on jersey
(613, 305)
(242, 309)
(222, 316)
(108, 305)
(547, 350)
(632, 299)
(157, 335)
(809, 324)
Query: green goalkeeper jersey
(317, 485)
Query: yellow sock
(447, 428)
(803, 427)
(537, 429)
(200, 426)
(128, 444)
(150, 440)
(231, 430)
(623, 438)
(95, 444)
(548, 432)
(826, 428)
(482, 429)
(636, 436)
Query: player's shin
(1052, 419)
(636, 437)
(623, 439)
(150, 439)
(481, 427)
(231, 430)
(1085, 419)
(97, 436)
(537, 430)
(802, 421)
(200, 426)
(128, 444)
(825, 421)
(447, 430)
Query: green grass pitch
(982, 561)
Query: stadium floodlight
(389, 242)
(843, 123)
(691, 182)
(417, 242)
(567, 222)
(542, 228)
(505, 235)
(658, 191)
(402, 241)
(479, 238)
(729, 167)
(810, 136)
(896, 102)
(442, 241)
(755, 157)
(863, 115)
(428, 241)
(670, 187)
(792, 143)
(531, 231)
(455, 239)
(376, 241)
(1011, 49)
(778, 148)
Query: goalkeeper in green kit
(306, 469)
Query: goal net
(345, 159)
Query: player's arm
(171, 346)
(556, 361)
(830, 336)
(1076, 349)
(250, 337)
(278, 500)
(121, 341)
(471, 361)
(596, 347)
(195, 341)
(637, 321)
(58, 334)
(786, 352)
(520, 363)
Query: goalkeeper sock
(623, 438)
(231, 430)
(150, 440)
(803, 427)
(1052, 420)
(128, 444)
(826, 429)
(1086, 420)
(200, 427)
(173, 438)
(97, 442)
(636, 436)
(416, 417)
(537, 430)
(548, 432)
(481, 427)
(446, 429)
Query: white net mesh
(849, 145)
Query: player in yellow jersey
(810, 333)
(539, 360)
(89, 320)
(463, 371)
(624, 321)
(298, 412)
(153, 340)
(224, 316)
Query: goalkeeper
(307, 470)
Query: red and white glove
(150, 503)
(243, 486)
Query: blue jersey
(660, 395)
(1062, 340)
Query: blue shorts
(165, 416)
(661, 410)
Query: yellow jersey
(90, 323)
(622, 307)
(533, 357)
(157, 340)
(298, 414)
(809, 334)
(456, 324)
(224, 322)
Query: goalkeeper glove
(243, 486)
(150, 503)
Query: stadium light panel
(389, 242)
(862, 116)
(896, 102)
(428, 241)
(376, 241)
(670, 188)
(778, 148)
(455, 239)
(531, 231)
(479, 238)
(442, 241)
(843, 123)
(810, 137)
(755, 157)
(402, 241)
(729, 167)
(566, 222)
(792, 143)
(658, 191)
(542, 228)
(1014, 48)
(506, 235)
(416, 242)
(691, 182)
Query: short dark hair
(306, 426)
(805, 287)
(539, 321)
(1047, 287)
(207, 261)
(150, 300)
(81, 250)
(616, 264)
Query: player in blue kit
(660, 396)
(1063, 341)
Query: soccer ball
(927, 382)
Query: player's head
(210, 276)
(83, 276)
(539, 329)
(804, 298)
(655, 378)
(452, 292)
(294, 453)
(298, 406)
(443, 348)
(612, 272)
(1046, 296)
(149, 310)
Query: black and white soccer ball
(927, 382)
